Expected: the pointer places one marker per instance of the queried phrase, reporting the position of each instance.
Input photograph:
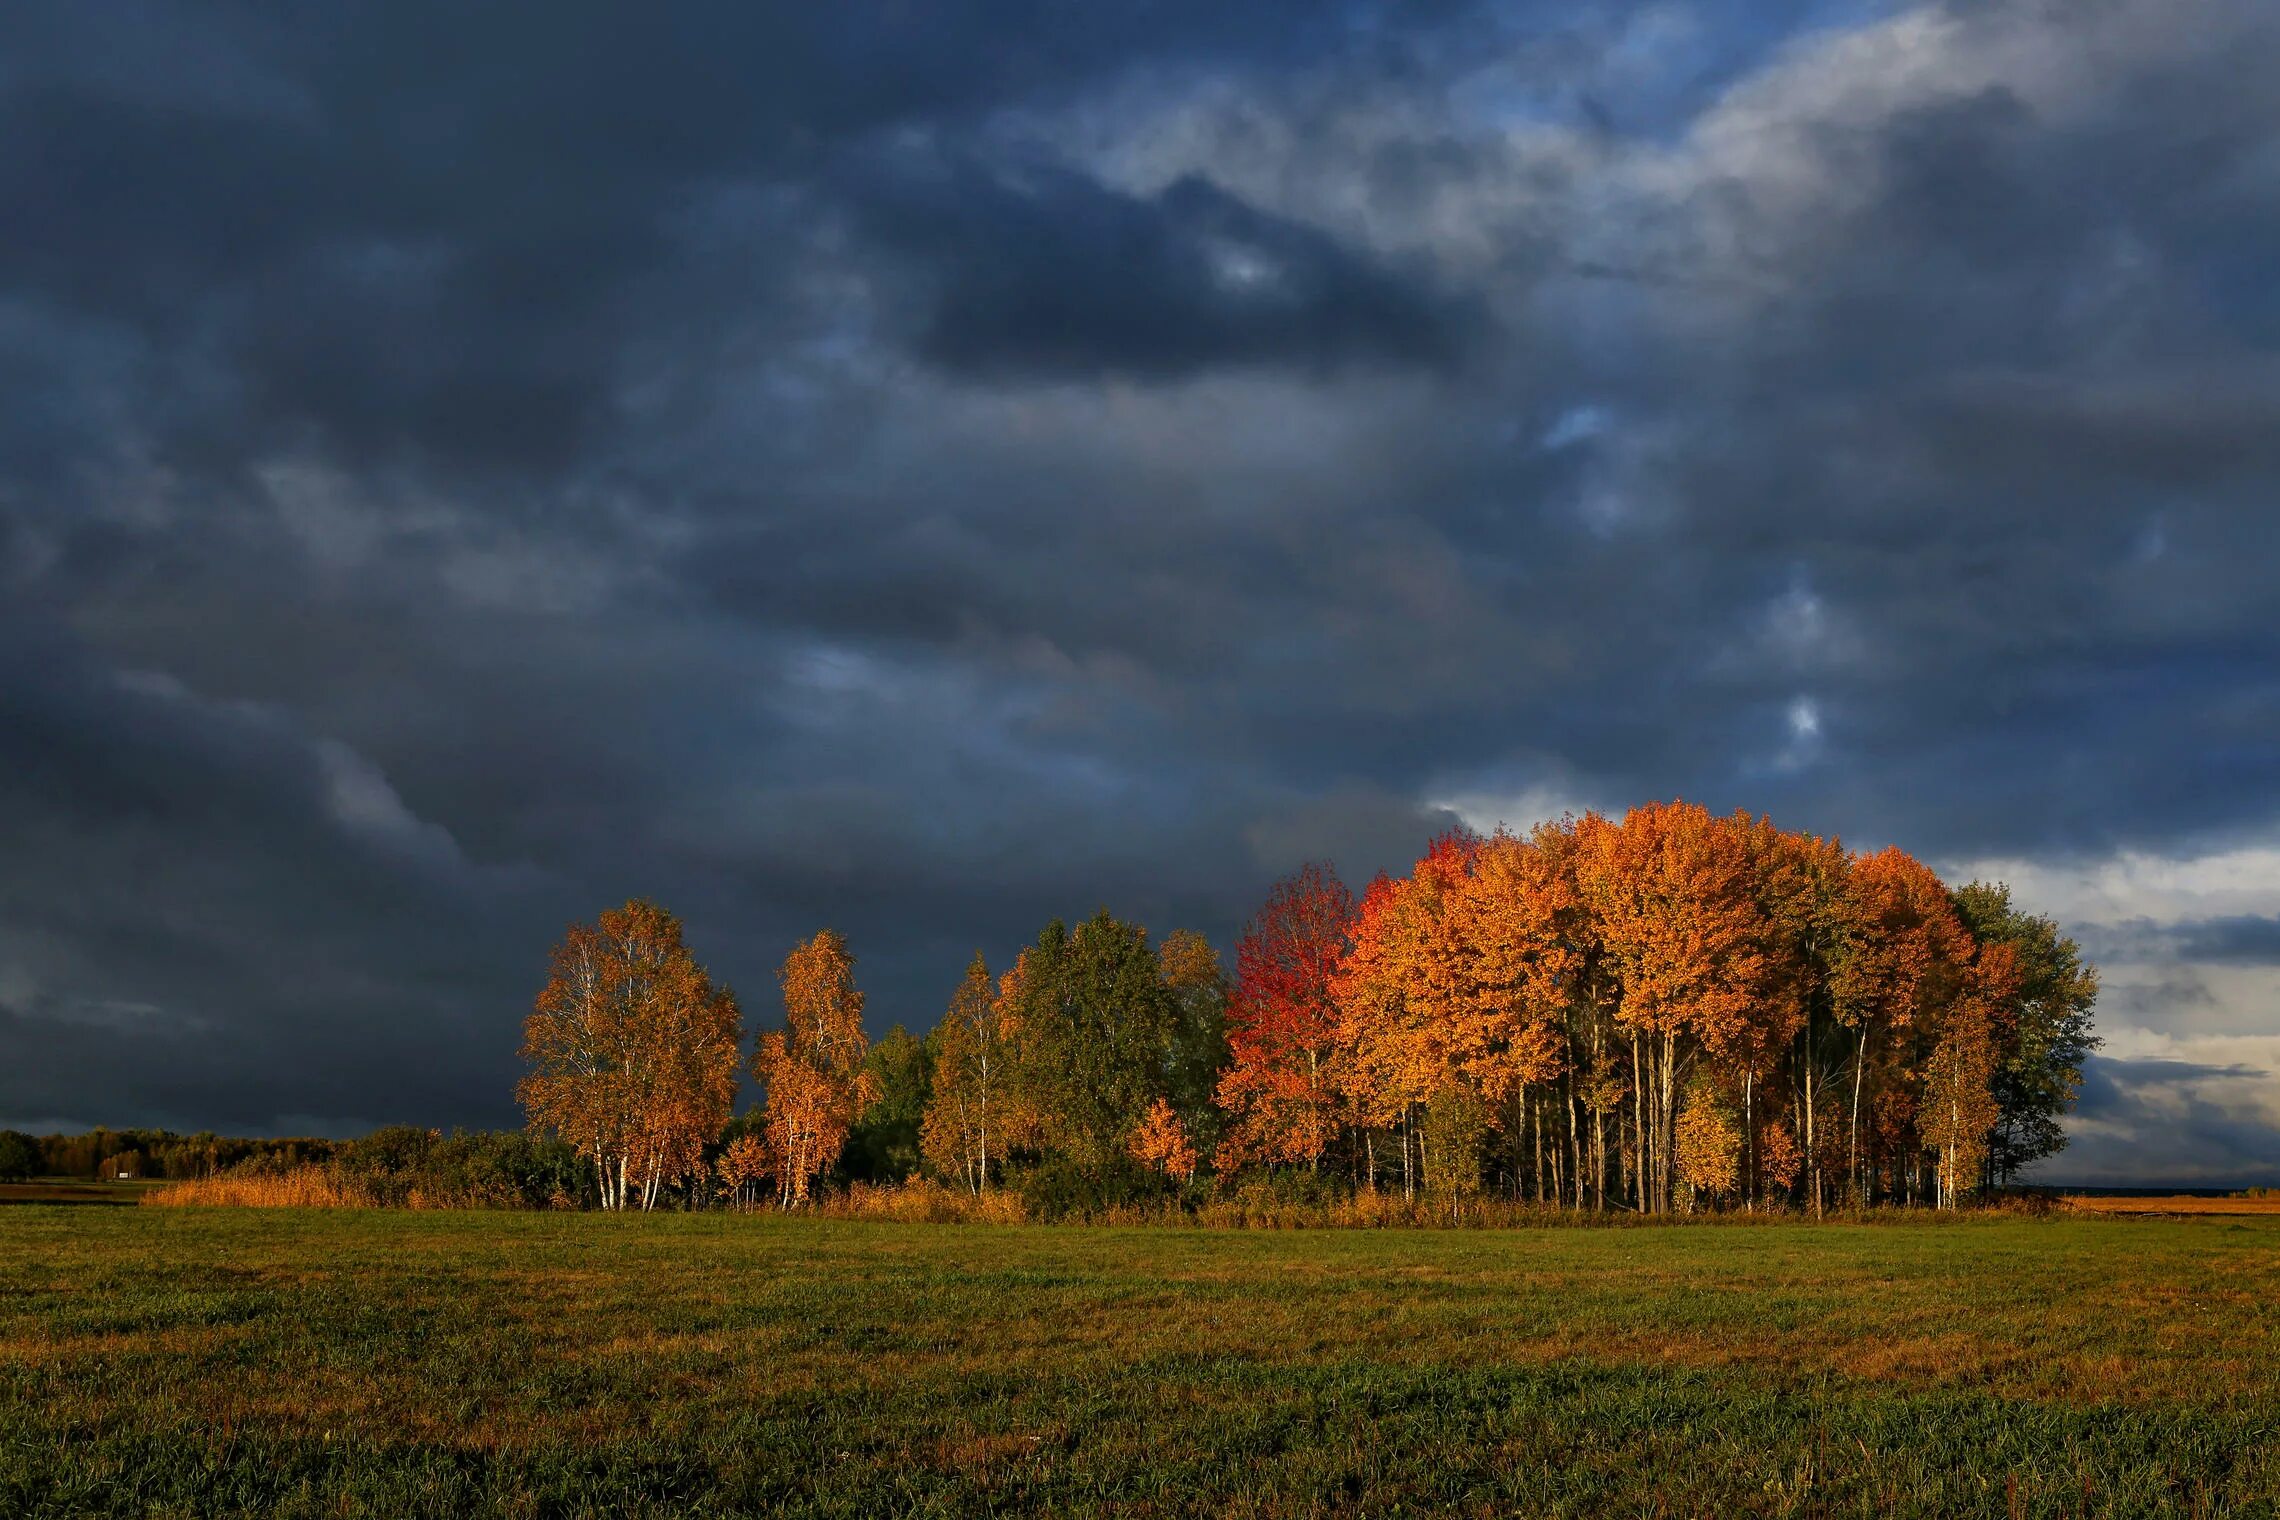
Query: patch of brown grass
(114, 1345)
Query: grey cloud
(2240, 939)
(2244, 939)
(2159, 1122)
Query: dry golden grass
(923, 1202)
(308, 1187)
(2269, 1203)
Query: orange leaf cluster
(1162, 1142)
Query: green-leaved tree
(2040, 1077)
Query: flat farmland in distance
(2178, 1203)
(191, 1361)
(74, 1190)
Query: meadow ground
(192, 1361)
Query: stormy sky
(924, 469)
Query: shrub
(923, 1201)
(404, 1167)
(19, 1155)
(387, 1164)
(1065, 1189)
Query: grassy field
(190, 1361)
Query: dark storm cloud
(1052, 273)
(415, 228)
(926, 469)
(219, 918)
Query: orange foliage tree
(744, 1166)
(1162, 1142)
(1672, 895)
(1958, 1107)
(813, 1068)
(1801, 883)
(1903, 954)
(1393, 993)
(1709, 1146)
(632, 1053)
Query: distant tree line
(396, 1166)
(1671, 1011)
(111, 1154)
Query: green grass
(160, 1362)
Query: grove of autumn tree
(633, 1053)
(1834, 1024)
(1673, 1010)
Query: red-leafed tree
(1281, 1103)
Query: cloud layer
(928, 470)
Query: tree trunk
(1665, 1117)
(1599, 1161)
(1645, 1167)
(1812, 1150)
(1852, 1143)
(1749, 1140)
(1536, 1129)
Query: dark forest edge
(1674, 1013)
